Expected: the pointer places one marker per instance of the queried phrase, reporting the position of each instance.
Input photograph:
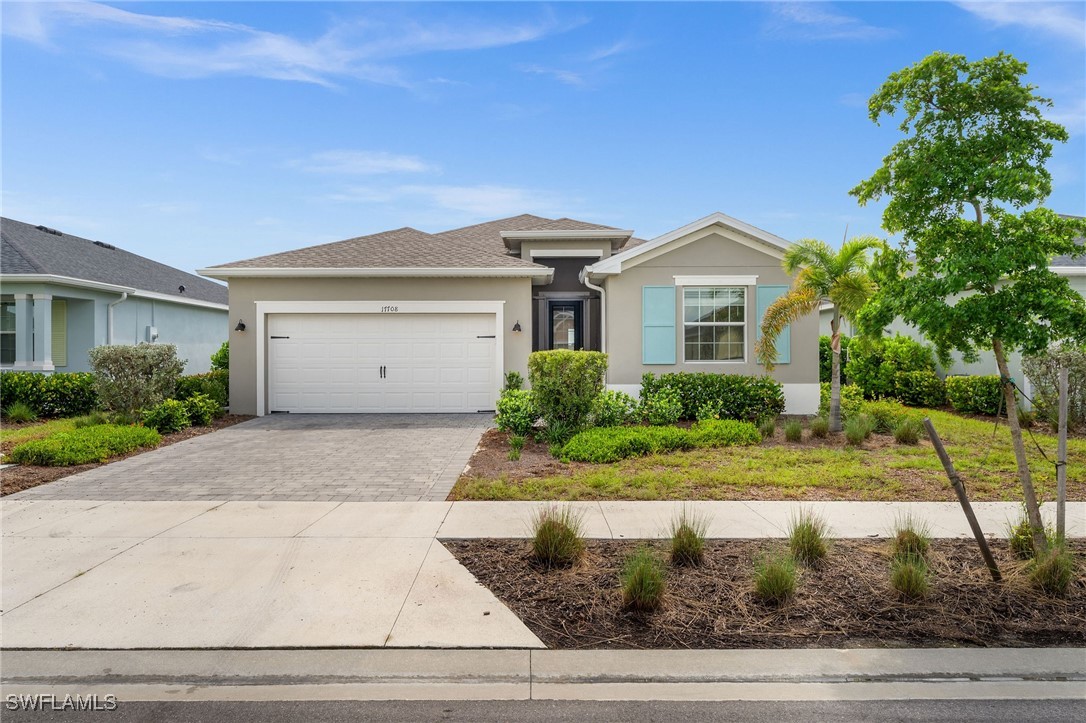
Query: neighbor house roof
(43, 254)
(471, 250)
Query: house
(407, 321)
(62, 295)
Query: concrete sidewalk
(205, 574)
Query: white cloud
(569, 77)
(361, 163)
(1059, 19)
(1072, 115)
(479, 201)
(182, 47)
(819, 21)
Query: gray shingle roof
(27, 249)
(476, 246)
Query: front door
(566, 325)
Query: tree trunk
(835, 372)
(1033, 510)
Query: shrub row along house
(64, 295)
(407, 321)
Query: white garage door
(381, 362)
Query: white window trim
(746, 302)
(263, 308)
(716, 280)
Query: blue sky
(200, 133)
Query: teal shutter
(658, 324)
(766, 296)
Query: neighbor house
(407, 321)
(62, 295)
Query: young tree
(821, 274)
(963, 188)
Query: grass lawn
(11, 436)
(813, 470)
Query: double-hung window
(714, 323)
(7, 330)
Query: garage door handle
(487, 336)
(382, 372)
(280, 337)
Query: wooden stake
(959, 489)
(1061, 460)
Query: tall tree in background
(964, 188)
(821, 275)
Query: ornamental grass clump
(858, 429)
(807, 538)
(1053, 570)
(820, 427)
(793, 430)
(908, 431)
(688, 538)
(909, 576)
(643, 580)
(767, 427)
(910, 538)
(775, 579)
(557, 536)
(516, 444)
(19, 412)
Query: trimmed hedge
(736, 396)
(169, 415)
(851, 399)
(134, 377)
(565, 384)
(975, 394)
(215, 384)
(516, 412)
(920, 389)
(611, 444)
(85, 445)
(62, 394)
(874, 365)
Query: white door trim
(263, 308)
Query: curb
(422, 674)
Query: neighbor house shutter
(658, 324)
(767, 295)
(60, 333)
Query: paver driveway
(317, 457)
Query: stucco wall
(715, 254)
(245, 292)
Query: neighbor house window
(714, 323)
(7, 330)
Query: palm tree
(821, 274)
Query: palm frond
(807, 252)
(851, 291)
(854, 256)
(788, 308)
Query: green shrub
(793, 430)
(921, 388)
(516, 412)
(886, 414)
(201, 410)
(775, 579)
(215, 384)
(807, 538)
(557, 536)
(909, 576)
(851, 399)
(93, 420)
(566, 384)
(723, 433)
(643, 580)
(739, 396)
(557, 433)
(1043, 373)
(130, 378)
(858, 429)
(169, 415)
(1053, 570)
(825, 358)
(908, 431)
(61, 394)
(611, 444)
(514, 381)
(873, 365)
(86, 445)
(820, 427)
(612, 409)
(975, 395)
(767, 427)
(688, 538)
(663, 407)
(709, 410)
(19, 412)
(910, 537)
(220, 360)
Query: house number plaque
(389, 309)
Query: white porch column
(43, 332)
(24, 345)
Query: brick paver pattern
(308, 457)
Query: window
(7, 330)
(714, 323)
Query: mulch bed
(846, 602)
(24, 476)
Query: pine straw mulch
(846, 602)
(24, 476)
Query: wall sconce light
(516, 327)
(240, 326)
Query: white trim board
(600, 233)
(716, 280)
(566, 253)
(263, 308)
(227, 272)
(111, 288)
